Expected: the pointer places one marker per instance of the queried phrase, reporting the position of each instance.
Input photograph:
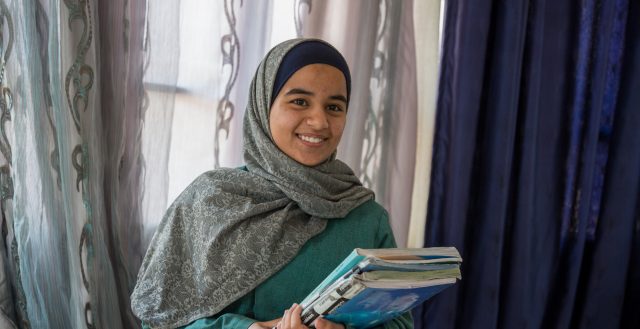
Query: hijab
(231, 229)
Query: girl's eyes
(303, 102)
(299, 102)
(334, 108)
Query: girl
(239, 247)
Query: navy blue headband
(306, 53)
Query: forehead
(318, 76)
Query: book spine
(328, 302)
(339, 272)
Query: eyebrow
(301, 91)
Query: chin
(310, 159)
(311, 162)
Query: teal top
(367, 226)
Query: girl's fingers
(290, 313)
(291, 318)
(285, 319)
(295, 316)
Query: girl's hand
(292, 320)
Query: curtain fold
(427, 29)
(160, 80)
(120, 30)
(612, 228)
(74, 224)
(13, 301)
(532, 128)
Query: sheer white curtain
(427, 20)
(72, 166)
(110, 108)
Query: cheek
(280, 126)
(272, 129)
(338, 127)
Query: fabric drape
(535, 170)
(71, 134)
(427, 15)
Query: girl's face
(308, 115)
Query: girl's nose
(317, 118)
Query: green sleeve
(384, 234)
(224, 321)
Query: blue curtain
(536, 166)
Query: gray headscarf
(232, 229)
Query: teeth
(310, 139)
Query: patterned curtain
(71, 127)
(110, 108)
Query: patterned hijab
(232, 229)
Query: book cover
(374, 306)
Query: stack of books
(373, 286)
